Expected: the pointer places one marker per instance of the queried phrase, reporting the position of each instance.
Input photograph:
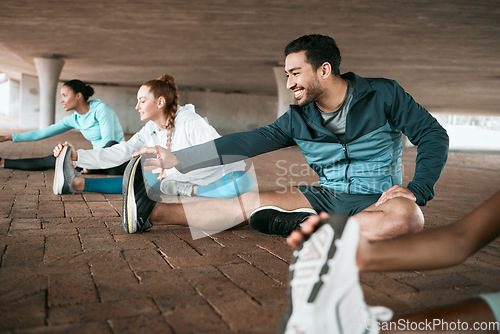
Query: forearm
(230, 148)
(35, 135)
(432, 153)
(430, 249)
(105, 157)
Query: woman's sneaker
(137, 206)
(324, 292)
(274, 220)
(64, 174)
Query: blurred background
(227, 56)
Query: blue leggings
(231, 185)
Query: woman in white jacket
(168, 125)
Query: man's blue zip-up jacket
(369, 162)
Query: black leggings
(49, 162)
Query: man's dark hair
(319, 49)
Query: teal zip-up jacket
(99, 126)
(369, 162)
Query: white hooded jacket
(189, 129)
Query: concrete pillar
(285, 96)
(49, 69)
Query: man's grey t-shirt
(335, 121)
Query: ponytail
(80, 87)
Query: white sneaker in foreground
(325, 295)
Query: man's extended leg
(395, 217)
(211, 212)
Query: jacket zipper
(344, 148)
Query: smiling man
(349, 128)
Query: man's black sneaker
(137, 206)
(275, 220)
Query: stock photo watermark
(437, 325)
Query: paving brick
(57, 225)
(94, 197)
(163, 283)
(49, 196)
(141, 324)
(115, 225)
(21, 225)
(102, 209)
(486, 275)
(254, 282)
(6, 204)
(146, 259)
(4, 226)
(23, 210)
(50, 209)
(438, 281)
(174, 247)
(117, 204)
(386, 284)
(101, 311)
(96, 238)
(113, 276)
(61, 246)
(269, 264)
(189, 314)
(240, 245)
(26, 200)
(71, 289)
(203, 246)
(376, 297)
(215, 259)
(427, 299)
(24, 313)
(85, 328)
(233, 304)
(77, 209)
(24, 251)
(72, 198)
(130, 241)
(11, 277)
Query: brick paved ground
(67, 266)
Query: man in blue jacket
(349, 128)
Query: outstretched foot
(324, 292)
(64, 173)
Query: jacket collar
(361, 85)
(361, 88)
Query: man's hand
(164, 158)
(396, 191)
(59, 148)
(5, 138)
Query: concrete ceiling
(445, 53)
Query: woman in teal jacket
(96, 121)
